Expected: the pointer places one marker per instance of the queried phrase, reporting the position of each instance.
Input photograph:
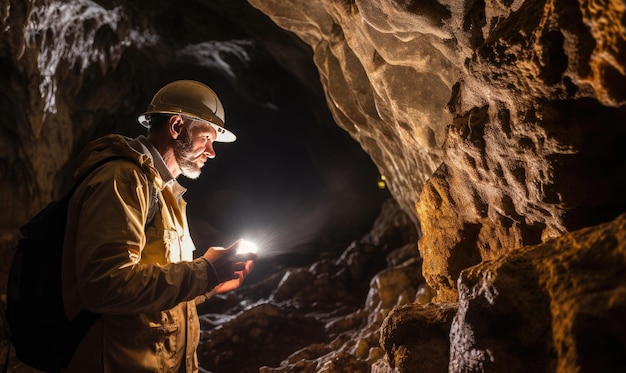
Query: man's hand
(230, 268)
(235, 283)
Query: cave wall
(499, 124)
(387, 70)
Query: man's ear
(175, 125)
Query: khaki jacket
(143, 283)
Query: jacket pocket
(143, 348)
(159, 245)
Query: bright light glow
(245, 247)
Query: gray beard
(188, 167)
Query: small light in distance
(382, 183)
(245, 247)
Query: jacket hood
(115, 146)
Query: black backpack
(41, 334)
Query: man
(128, 254)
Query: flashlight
(245, 247)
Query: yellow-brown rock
(556, 306)
(531, 95)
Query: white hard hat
(192, 99)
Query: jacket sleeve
(111, 211)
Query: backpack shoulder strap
(154, 203)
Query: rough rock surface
(532, 96)
(388, 69)
(557, 306)
(498, 124)
(553, 307)
(417, 337)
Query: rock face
(387, 69)
(550, 307)
(417, 338)
(499, 126)
(528, 96)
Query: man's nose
(209, 151)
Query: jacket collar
(143, 145)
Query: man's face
(194, 147)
